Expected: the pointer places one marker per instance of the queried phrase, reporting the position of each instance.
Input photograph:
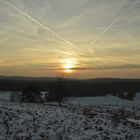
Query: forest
(73, 87)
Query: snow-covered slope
(51, 122)
(104, 100)
(5, 95)
(104, 118)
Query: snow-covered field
(5, 95)
(48, 122)
(110, 104)
(104, 100)
(28, 121)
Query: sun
(68, 67)
(68, 64)
(68, 71)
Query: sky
(70, 38)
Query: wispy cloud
(40, 24)
(124, 9)
(127, 66)
(43, 33)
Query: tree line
(60, 87)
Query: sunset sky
(70, 38)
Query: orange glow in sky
(68, 71)
(68, 41)
(68, 65)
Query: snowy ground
(89, 118)
(5, 95)
(104, 100)
(51, 122)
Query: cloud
(127, 66)
(79, 21)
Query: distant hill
(106, 80)
(27, 78)
(96, 80)
(74, 87)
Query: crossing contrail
(113, 22)
(40, 24)
(135, 3)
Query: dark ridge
(74, 87)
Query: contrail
(135, 3)
(40, 24)
(113, 22)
